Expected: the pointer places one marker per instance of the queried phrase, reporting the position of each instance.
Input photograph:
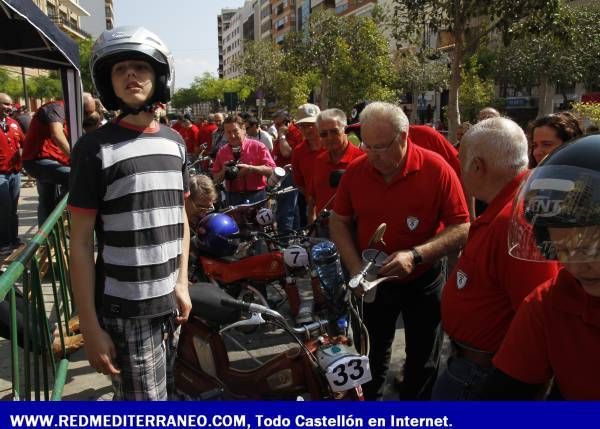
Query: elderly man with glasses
(338, 154)
(418, 195)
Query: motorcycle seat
(206, 304)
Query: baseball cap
(307, 113)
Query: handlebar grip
(235, 303)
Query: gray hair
(381, 111)
(501, 142)
(333, 114)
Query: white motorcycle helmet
(131, 43)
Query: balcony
(73, 30)
(74, 7)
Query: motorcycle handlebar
(249, 307)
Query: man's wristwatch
(417, 257)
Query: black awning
(30, 38)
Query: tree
(421, 71)
(10, 85)
(85, 54)
(209, 88)
(261, 62)
(475, 92)
(45, 87)
(470, 22)
(589, 111)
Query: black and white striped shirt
(134, 182)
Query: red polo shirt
(10, 142)
(253, 153)
(38, 143)
(431, 139)
(294, 137)
(191, 137)
(487, 285)
(303, 160)
(318, 187)
(556, 332)
(425, 195)
(206, 133)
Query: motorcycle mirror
(377, 236)
(334, 177)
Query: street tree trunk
(546, 103)
(455, 81)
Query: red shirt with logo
(253, 153)
(431, 139)
(419, 200)
(487, 285)
(10, 143)
(319, 188)
(294, 137)
(556, 332)
(38, 143)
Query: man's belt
(478, 357)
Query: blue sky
(188, 27)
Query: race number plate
(348, 372)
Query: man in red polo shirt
(419, 197)
(303, 160)
(556, 332)
(338, 155)
(11, 139)
(249, 157)
(207, 131)
(486, 287)
(191, 135)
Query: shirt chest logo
(461, 279)
(412, 222)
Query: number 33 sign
(348, 372)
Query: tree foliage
(45, 87)
(475, 92)
(85, 54)
(470, 22)
(589, 111)
(10, 85)
(564, 56)
(210, 88)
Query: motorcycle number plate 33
(348, 372)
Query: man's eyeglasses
(378, 149)
(333, 133)
(202, 208)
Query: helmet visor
(556, 216)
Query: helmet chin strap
(127, 110)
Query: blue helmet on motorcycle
(218, 235)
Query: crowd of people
(492, 243)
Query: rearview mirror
(377, 236)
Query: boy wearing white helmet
(128, 183)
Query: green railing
(38, 372)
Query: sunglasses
(378, 149)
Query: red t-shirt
(10, 142)
(318, 187)
(415, 205)
(38, 143)
(431, 139)
(294, 137)
(303, 160)
(253, 153)
(487, 285)
(206, 133)
(190, 137)
(556, 332)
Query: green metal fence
(38, 372)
